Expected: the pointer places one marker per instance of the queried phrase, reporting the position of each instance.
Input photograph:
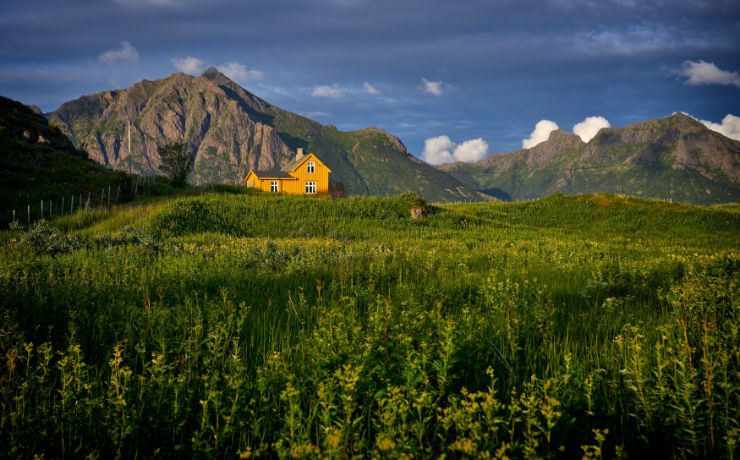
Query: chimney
(299, 154)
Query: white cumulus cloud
(432, 87)
(588, 128)
(541, 133)
(441, 149)
(370, 88)
(729, 127)
(238, 72)
(189, 65)
(471, 150)
(707, 73)
(126, 52)
(327, 91)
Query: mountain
(38, 162)
(232, 131)
(674, 158)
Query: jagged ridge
(674, 158)
(232, 130)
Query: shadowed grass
(230, 324)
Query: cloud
(706, 73)
(189, 65)
(729, 127)
(370, 88)
(327, 91)
(471, 150)
(541, 133)
(126, 52)
(441, 149)
(438, 150)
(432, 87)
(238, 72)
(588, 128)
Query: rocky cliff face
(232, 131)
(227, 136)
(672, 158)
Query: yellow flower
(385, 443)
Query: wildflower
(385, 443)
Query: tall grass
(248, 325)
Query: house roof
(294, 163)
(298, 161)
(272, 175)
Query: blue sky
(455, 80)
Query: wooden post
(80, 205)
(29, 214)
(62, 204)
(13, 215)
(109, 196)
(72, 204)
(88, 201)
(42, 209)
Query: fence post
(29, 214)
(88, 201)
(136, 189)
(80, 205)
(42, 209)
(72, 204)
(13, 215)
(109, 196)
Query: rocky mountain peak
(211, 72)
(232, 131)
(560, 136)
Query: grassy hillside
(37, 162)
(370, 161)
(249, 324)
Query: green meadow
(239, 325)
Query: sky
(455, 80)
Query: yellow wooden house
(305, 175)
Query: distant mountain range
(674, 158)
(232, 130)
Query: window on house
(311, 167)
(311, 187)
(274, 186)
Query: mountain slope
(38, 162)
(674, 158)
(232, 130)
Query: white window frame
(310, 167)
(310, 187)
(275, 186)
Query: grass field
(234, 324)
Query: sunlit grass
(224, 324)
